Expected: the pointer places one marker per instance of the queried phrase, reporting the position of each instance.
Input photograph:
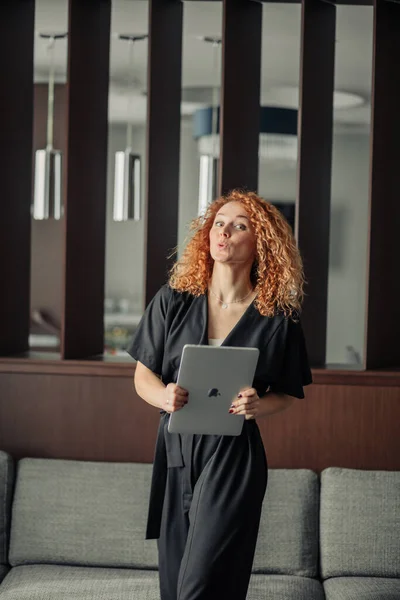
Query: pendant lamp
(47, 198)
(127, 176)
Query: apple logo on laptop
(213, 392)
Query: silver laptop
(213, 376)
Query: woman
(238, 283)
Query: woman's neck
(230, 284)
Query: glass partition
(48, 177)
(279, 99)
(350, 188)
(125, 226)
(201, 80)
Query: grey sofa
(75, 530)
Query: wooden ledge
(50, 363)
(115, 366)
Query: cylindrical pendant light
(208, 179)
(127, 182)
(47, 198)
(127, 176)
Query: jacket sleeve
(294, 372)
(147, 344)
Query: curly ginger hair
(277, 272)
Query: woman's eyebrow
(237, 216)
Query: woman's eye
(218, 223)
(241, 226)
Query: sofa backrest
(81, 512)
(360, 523)
(6, 492)
(288, 535)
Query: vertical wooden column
(85, 196)
(317, 63)
(17, 22)
(382, 347)
(163, 139)
(240, 94)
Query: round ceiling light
(288, 96)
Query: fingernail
(231, 411)
(233, 406)
(239, 395)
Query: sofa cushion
(79, 512)
(360, 523)
(362, 588)
(6, 491)
(3, 571)
(283, 587)
(51, 582)
(288, 535)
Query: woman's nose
(224, 232)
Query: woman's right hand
(175, 398)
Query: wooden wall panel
(163, 139)
(314, 166)
(240, 95)
(16, 123)
(91, 418)
(343, 426)
(102, 418)
(382, 348)
(86, 183)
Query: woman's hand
(247, 404)
(175, 398)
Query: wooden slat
(314, 166)
(382, 328)
(240, 94)
(16, 124)
(163, 139)
(86, 184)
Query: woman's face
(231, 236)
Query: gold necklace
(226, 304)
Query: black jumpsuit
(207, 490)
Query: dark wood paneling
(86, 184)
(382, 335)
(351, 427)
(163, 139)
(91, 418)
(102, 418)
(16, 123)
(240, 95)
(314, 166)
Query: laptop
(213, 376)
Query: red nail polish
(239, 395)
(231, 410)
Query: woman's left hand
(247, 404)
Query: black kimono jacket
(173, 319)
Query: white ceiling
(280, 54)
